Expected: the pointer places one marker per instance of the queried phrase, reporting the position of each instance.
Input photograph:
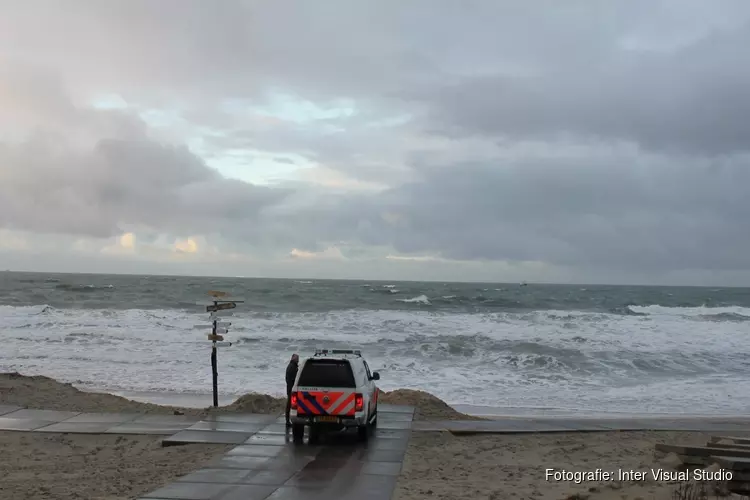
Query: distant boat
(523, 283)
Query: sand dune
(49, 394)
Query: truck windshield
(327, 373)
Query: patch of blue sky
(109, 101)
(250, 165)
(159, 118)
(292, 109)
(258, 167)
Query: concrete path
(269, 466)
(13, 418)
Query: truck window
(327, 373)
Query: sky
(507, 141)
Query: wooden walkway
(730, 453)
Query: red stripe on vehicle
(333, 399)
(344, 404)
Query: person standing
(291, 375)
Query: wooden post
(214, 368)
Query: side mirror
(375, 376)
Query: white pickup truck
(334, 389)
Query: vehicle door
(372, 388)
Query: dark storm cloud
(583, 213)
(694, 99)
(626, 211)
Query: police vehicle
(334, 390)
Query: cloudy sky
(576, 141)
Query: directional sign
(216, 293)
(223, 344)
(221, 307)
(212, 302)
(219, 324)
(215, 338)
(222, 330)
(217, 315)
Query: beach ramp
(267, 465)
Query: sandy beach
(89, 467)
(438, 465)
(495, 467)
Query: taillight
(294, 401)
(359, 402)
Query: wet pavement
(21, 419)
(268, 465)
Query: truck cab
(334, 390)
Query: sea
(486, 348)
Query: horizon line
(525, 283)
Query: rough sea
(524, 349)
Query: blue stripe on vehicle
(302, 407)
(311, 399)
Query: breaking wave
(613, 361)
(83, 288)
(422, 299)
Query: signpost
(218, 306)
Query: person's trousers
(288, 405)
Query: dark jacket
(291, 374)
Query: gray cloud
(607, 137)
(695, 99)
(596, 210)
(122, 184)
(584, 213)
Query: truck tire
(314, 434)
(298, 432)
(363, 432)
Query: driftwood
(737, 440)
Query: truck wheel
(298, 432)
(363, 432)
(314, 434)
